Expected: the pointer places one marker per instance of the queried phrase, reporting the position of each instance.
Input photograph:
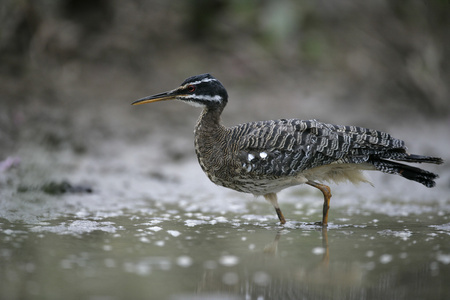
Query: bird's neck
(209, 122)
(210, 139)
(209, 135)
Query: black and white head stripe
(206, 79)
(198, 79)
(203, 90)
(217, 98)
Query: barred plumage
(265, 157)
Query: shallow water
(177, 255)
(170, 234)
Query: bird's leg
(272, 198)
(326, 199)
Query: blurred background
(103, 200)
(69, 69)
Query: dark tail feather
(414, 158)
(412, 173)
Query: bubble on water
(142, 269)
(434, 267)
(192, 223)
(404, 235)
(144, 239)
(343, 219)
(386, 258)
(299, 205)
(77, 227)
(229, 260)
(445, 227)
(160, 243)
(370, 253)
(261, 278)
(155, 228)
(318, 250)
(218, 220)
(82, 214)
(153, 222)
(221, 219)
(173, 233)
(184, 261)
(250, 217)
(443, 258)
(290, 225)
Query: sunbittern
(262, 158)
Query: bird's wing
(287, 147)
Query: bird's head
(201, 90)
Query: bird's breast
(224, 165)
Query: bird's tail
(412, 173)
(414, 158)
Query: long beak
(158, 97)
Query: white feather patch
(215, 98)
(201, 81)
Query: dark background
(69, 69)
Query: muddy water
(138, 256)
(126, 229)
(127, 213)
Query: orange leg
(272, 198)
(326, 199)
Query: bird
(265, 157)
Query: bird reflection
(272, 247)
(268, 272)
(326, 254)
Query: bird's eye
(191, 88)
